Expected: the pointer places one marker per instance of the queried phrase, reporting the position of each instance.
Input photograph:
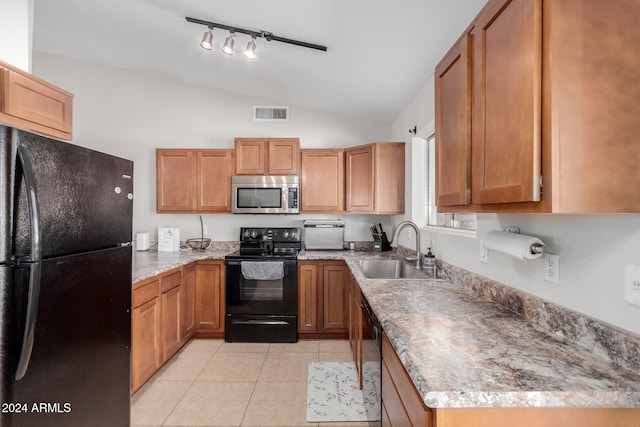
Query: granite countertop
(147, 264)
(464, 351)
(461, 349)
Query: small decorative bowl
(199, 244)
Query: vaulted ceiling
(380, 52)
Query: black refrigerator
(65, 283)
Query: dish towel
(262, 270)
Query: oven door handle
(259, 322)
(237, 262)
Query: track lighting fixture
(250, 51)
(227, 47)
(207, 40)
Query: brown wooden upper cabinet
(506, 110)
(453, 125)
(32, 104)
(375, 178)
(322, 180)
(537, 101)
(193, 181)
(260, 156)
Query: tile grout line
(271, 350)
(190, 385)
(255, 384)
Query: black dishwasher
(371, 363)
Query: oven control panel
(278, 234)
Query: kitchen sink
(393, 269)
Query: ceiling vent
(271, 114)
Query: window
(460, 221)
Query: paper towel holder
(536, 248)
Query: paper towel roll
(515, 245)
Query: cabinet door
(507, 102)
(335, 300)
(284, 156)
(402, 400)
(213, 176)
(307, 297)
(360, 179)
(322, 180)
(145, 342)
(453, 126)
(389, 178)
(188, 294)
(174, 180)
(355, 325)
(210, 296)
(30, 103)
(591, 116)
(171, 322)
(251, 156)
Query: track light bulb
(250, 51)
(227, 47)
(207, 40)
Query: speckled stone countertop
(472, 342)
(463, 349)
(147, 264)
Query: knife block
(381, 243)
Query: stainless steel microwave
(265, 194)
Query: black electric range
(262, 286)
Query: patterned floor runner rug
(333, 393)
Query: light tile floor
(213, 383)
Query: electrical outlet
(347, 229)
(552, 268)
(484, 253)
(205, 230)
(631, 284)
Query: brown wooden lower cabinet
(169, 309)
(403, 406)
(323, 310)
(537, 417)
(355, 324)
(400, 399)
(172, 337)
(188, 300)
(210, 298)
(146, 349)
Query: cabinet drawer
(171, 280)
(145, 293)
(419, 414)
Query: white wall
(16, 23)
(593, 249)
(129, 115)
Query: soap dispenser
(430, 263)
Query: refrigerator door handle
(34, 267)
(30, 322)
(32, 202)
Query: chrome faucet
(415, 228)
